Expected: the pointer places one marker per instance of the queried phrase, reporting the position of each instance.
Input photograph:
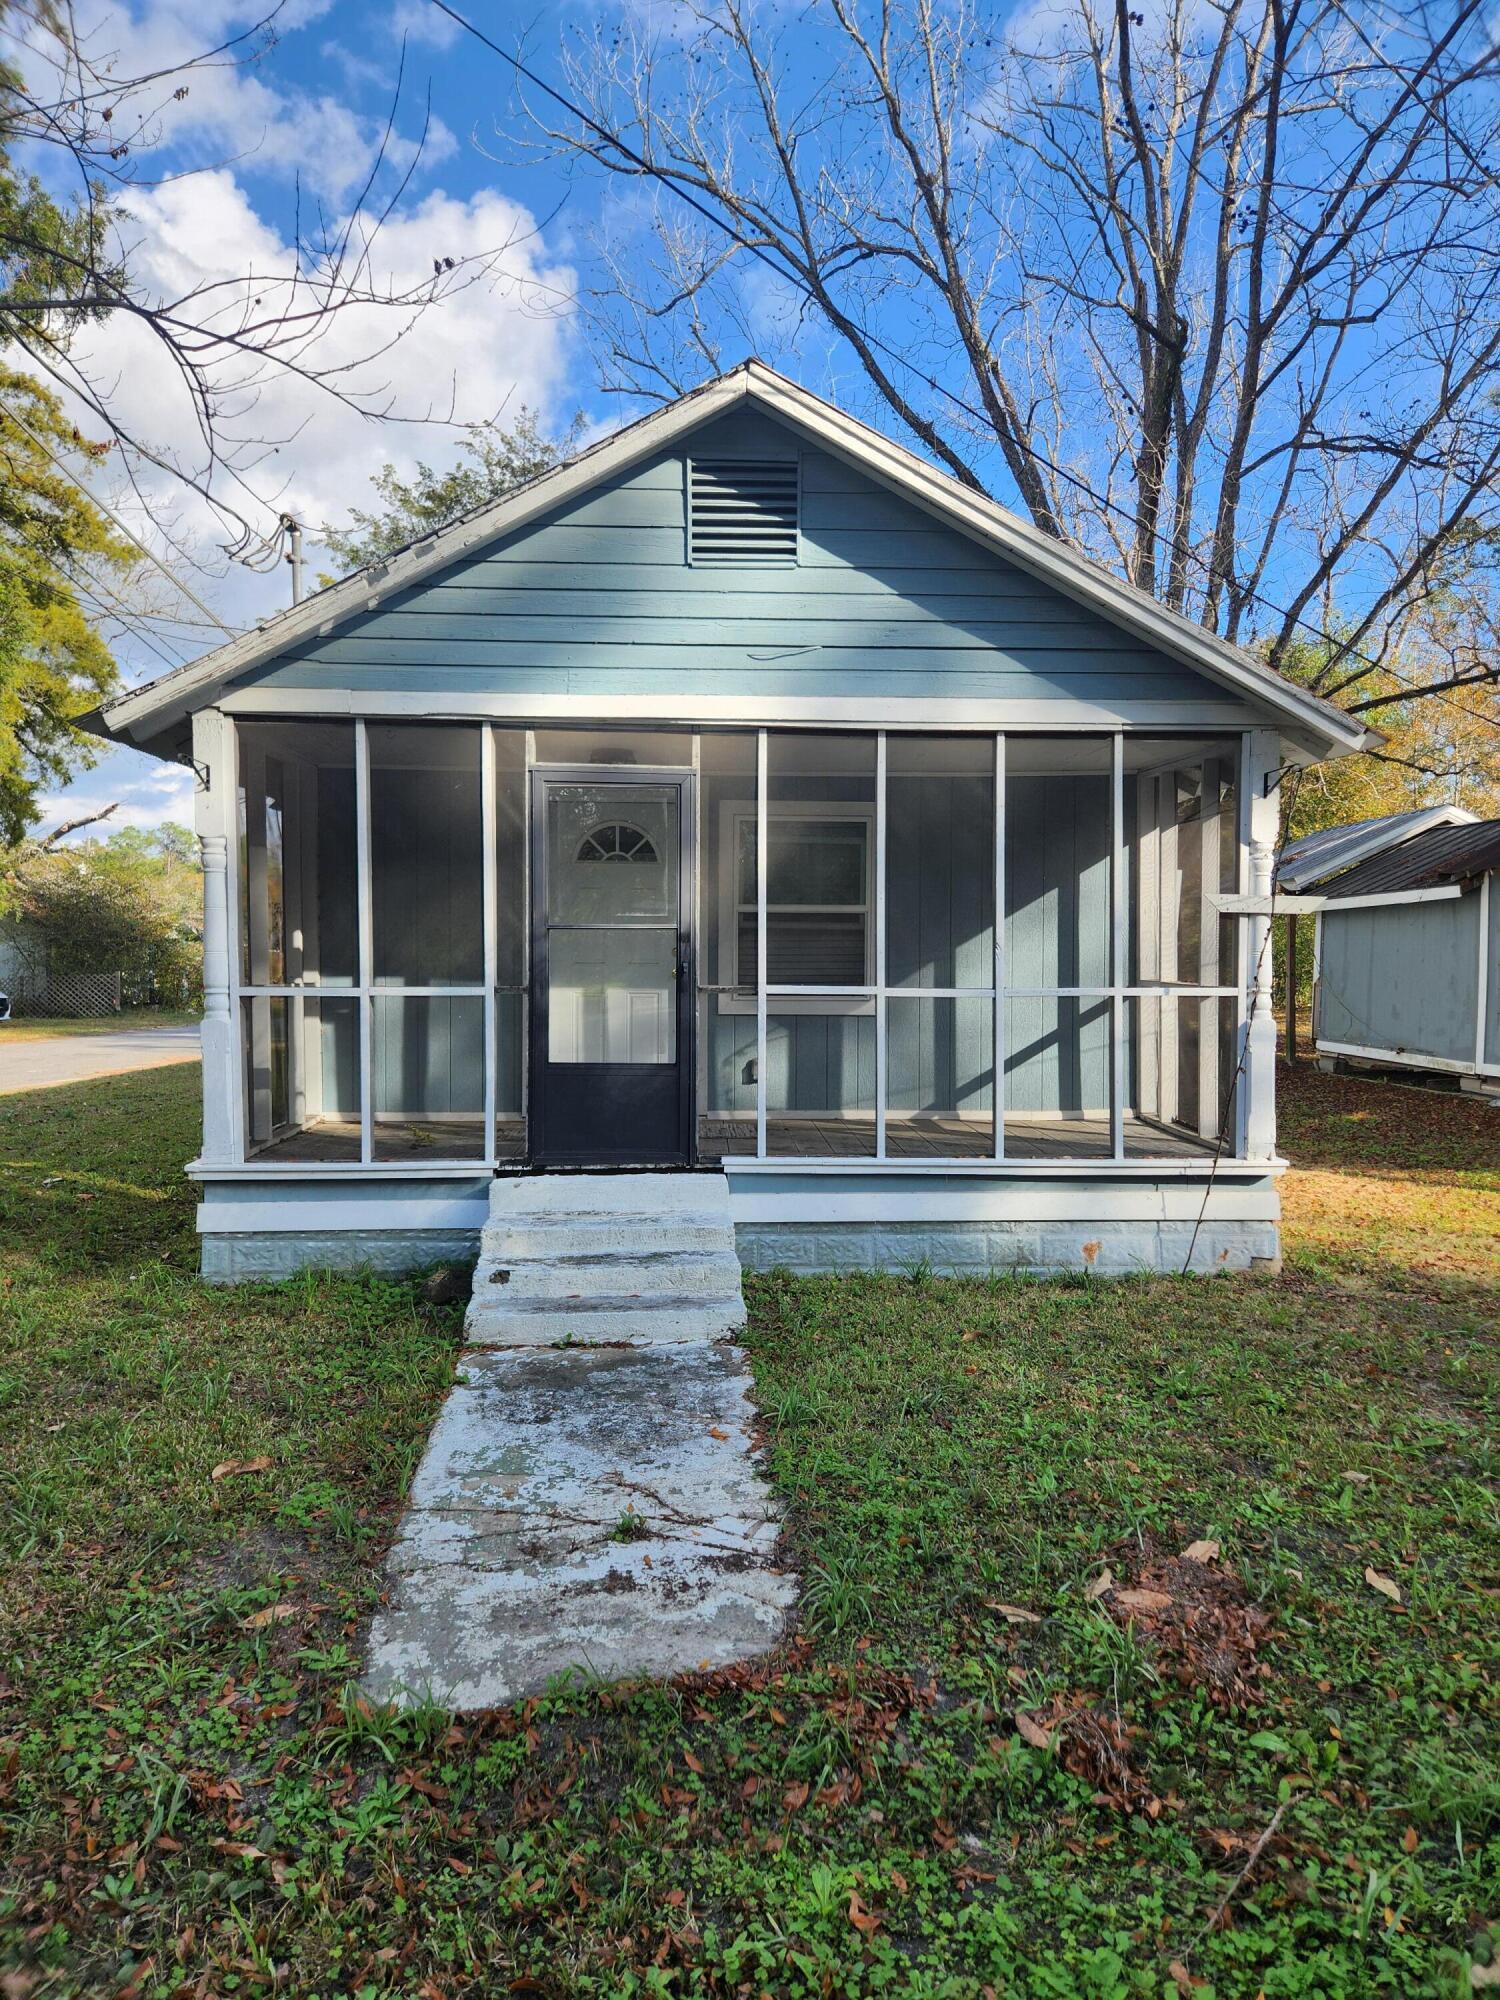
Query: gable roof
(1316, 856)
(1322, 728)
(1431, 859)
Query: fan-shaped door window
(617, 842)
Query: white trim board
(1396, 1058)
(316, 1219)
(919, 714)
(1325, 729)
(978, 1203)
(741, 1166)
(1276, 905)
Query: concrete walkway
(75, 1058)
(589, 1498)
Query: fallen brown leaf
(795, 1795)
(866, 1922)
(269, 1614)
(1143, 1600)
(1032, 1731)
(1096, 1586)
(1384, 1584)
(1201, 1552)
(1013, 1613)
(244, 1849)
(231, 1467)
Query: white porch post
(1262, 763)
(214, 814)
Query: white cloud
(235, 111)
(416, 21)
(497, 341)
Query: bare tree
(1213, 288)
(65, 263)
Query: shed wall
(1401, 978)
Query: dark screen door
(611, 1045)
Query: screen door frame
(606, 1129)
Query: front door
(611, 999)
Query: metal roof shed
(1407, 956)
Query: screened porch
(868, 917)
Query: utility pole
(293, 529)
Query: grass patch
(47, 1027)
(977, 1770)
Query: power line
(783, 271)
(106, 614)
(129, 533)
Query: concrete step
(603, 1321)
(605, 1236)
(595, 1195)
(606, 1260)
(679, 1274)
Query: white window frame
(734, 814)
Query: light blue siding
(1492, 976)
(1402, 978)
(599, 599)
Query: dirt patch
(1195, 1619)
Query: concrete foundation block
(232, 1258)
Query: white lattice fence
(79, 996)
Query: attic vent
(742, 510)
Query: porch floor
(336, 1140)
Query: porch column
(1262, 816)
(214, 814)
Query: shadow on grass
(130, 1201)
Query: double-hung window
(820, 926)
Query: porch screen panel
(821, 910)
(510, 923)
(726, 1050)
(298, 937)
(426, 855)
(1059, 841)
(820, 865)
(297, 855)
(427, 1083)
(1184, 1019)
(426, 874)
(939, 912)
(940, 1076)
(820, 1083)
(940, 862)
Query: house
(744, 796)
(1406, 952)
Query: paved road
(73, 1058)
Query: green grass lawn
(975, 1772)
(46, 1027)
